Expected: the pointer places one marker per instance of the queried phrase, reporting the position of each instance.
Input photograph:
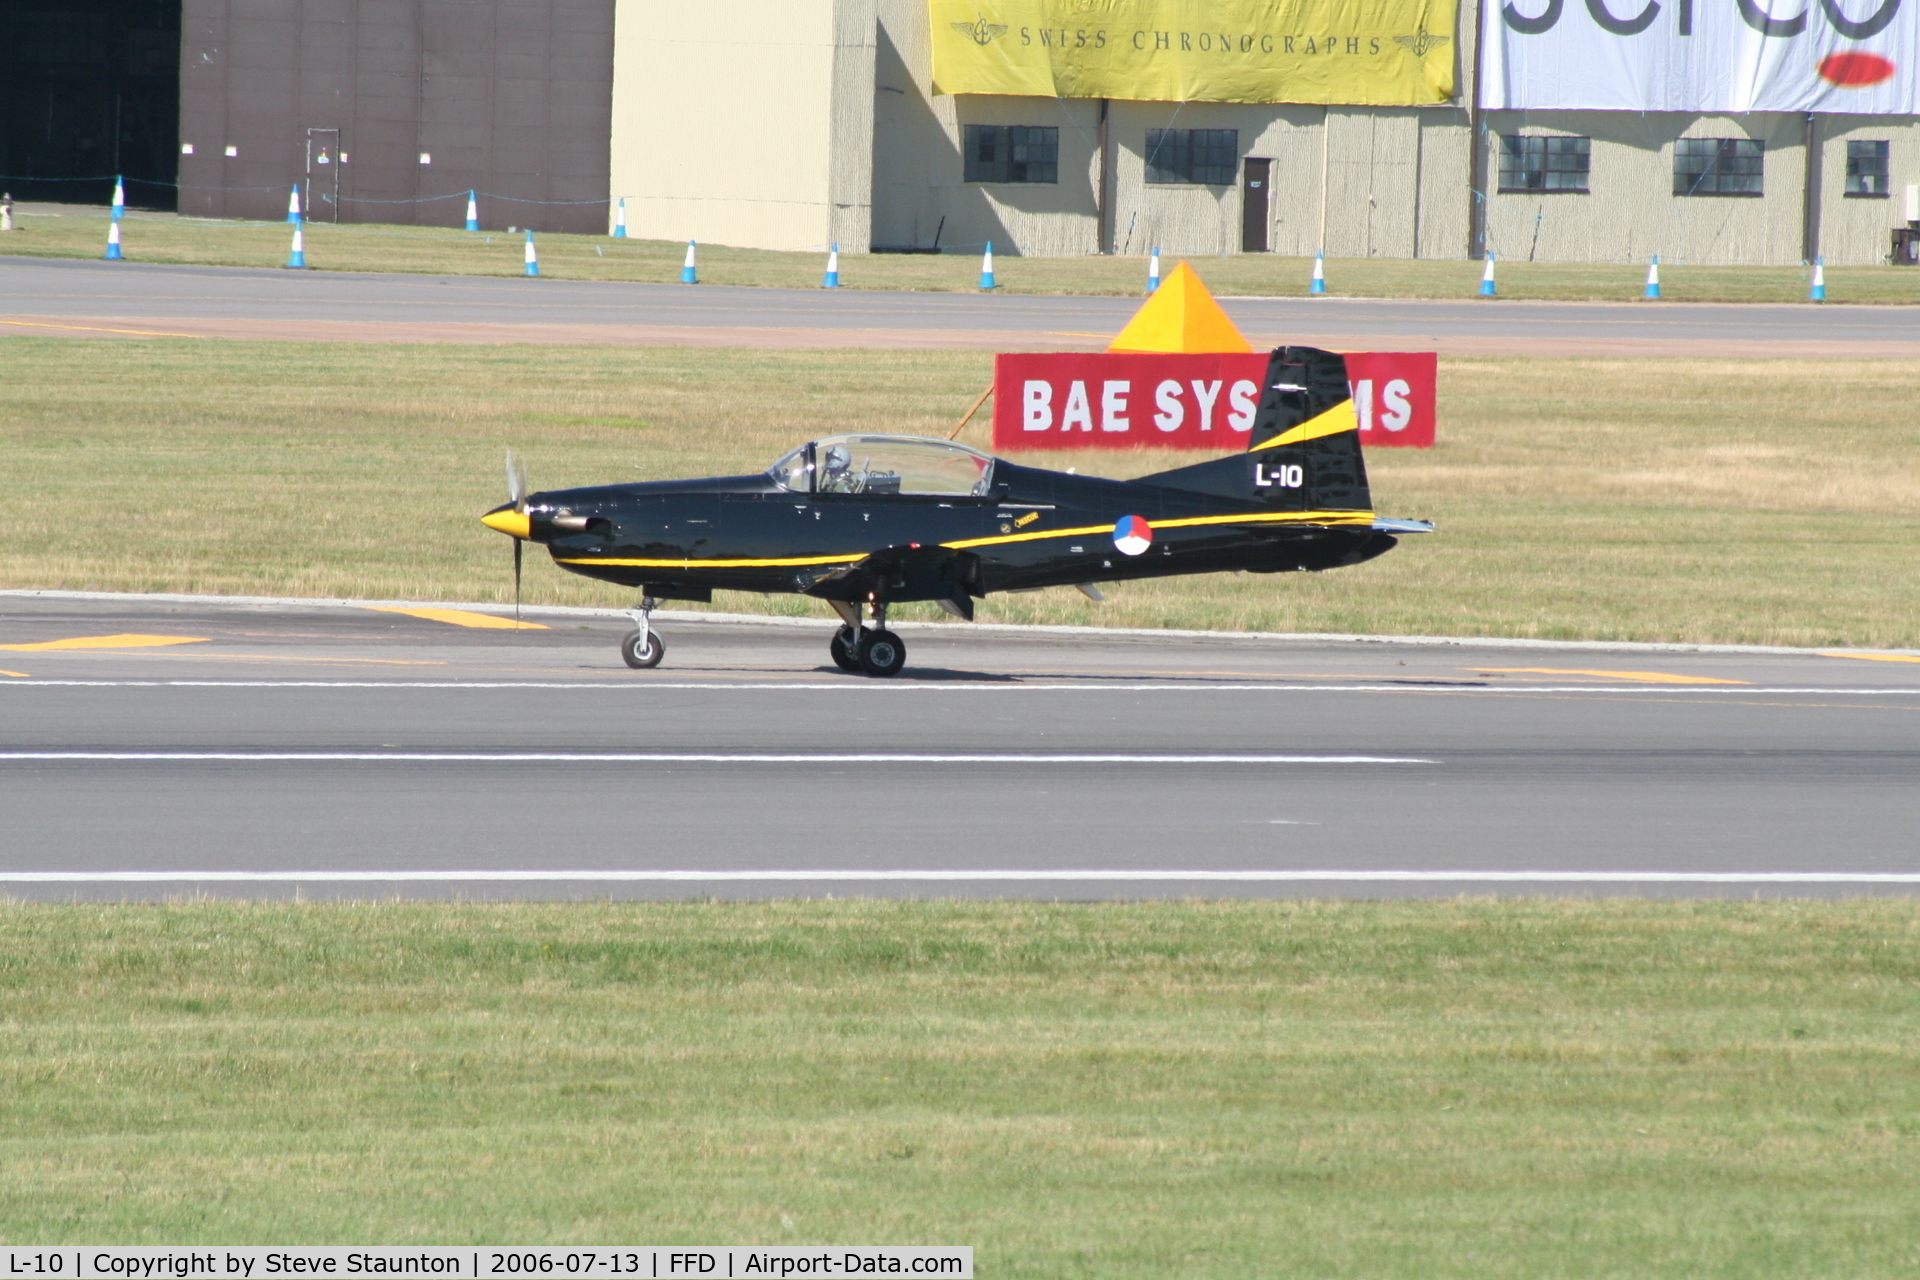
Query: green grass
(1467, 1088)
(370, 247)
(1750, 501)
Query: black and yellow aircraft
(864, 522)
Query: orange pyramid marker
(1182, 317)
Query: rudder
(1304, 451)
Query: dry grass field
(1206, 1090)
(446, 251)
(1767, 502)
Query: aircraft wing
(911, 572)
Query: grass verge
(1739, 501)
(444, 251)
(1466, 1088)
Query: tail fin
(1304, 454)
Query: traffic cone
(1153, 270)
(986, 267)
(832, 279)
(1319, 285)
(1819, 291)
(1653, 277)
(298, 258)
(533, 259)
(473, 210)
(293, 205)
(1486, 278)
(689, 273)
(620, 220)
(113, 242)
(119, 199)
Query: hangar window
(1717, 166)
(1867, 169)
(885, 464)
(1012, 153)
(1544, 164)
(1203, 157)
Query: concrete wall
(1387, 199)
(506, 96)
(1856, 230)
(745, 122)
(1631, 213)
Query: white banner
(1853, 56)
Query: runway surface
(129, 299)
(153, 747)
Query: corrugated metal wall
(507, 97)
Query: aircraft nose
(508, 521)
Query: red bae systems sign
(1107, 400)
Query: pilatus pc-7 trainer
(864, 522)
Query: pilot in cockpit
(835, 469)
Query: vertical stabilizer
(1304, 452)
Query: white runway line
(1111, 685)
(896, 875)
(702, 757)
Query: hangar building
(832, 127)
(1605, 132)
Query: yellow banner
(1361, 52)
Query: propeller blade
(516, 482)
(517, 545)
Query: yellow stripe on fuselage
(1336, 518)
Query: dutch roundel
(1132, 535)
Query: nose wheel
(873, 651)
(642, 649)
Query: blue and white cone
(1819, 291)
(113, 242)
(1153, 270)
(119, 199)
(1653, 277)
(1486, 279)
(533, 259)
(986, 267)
(473, 210)
(620, 220)
(293, 205)
(1319, 285)
(689, 272)
(298, 258)
(832, 279)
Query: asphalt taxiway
(82, 298)
(152, 746)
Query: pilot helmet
(839, 458)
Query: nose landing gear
(873, 651)
(642, 649)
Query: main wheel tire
(882, 653)
(642, 650)
(841, 647)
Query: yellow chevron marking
(107, 642)
(1330, 423)
(464, 618)
(1250, 517)
(17, 675)
(1644, 677)
(1872, 657)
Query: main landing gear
(873, 651)
(643, 649)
